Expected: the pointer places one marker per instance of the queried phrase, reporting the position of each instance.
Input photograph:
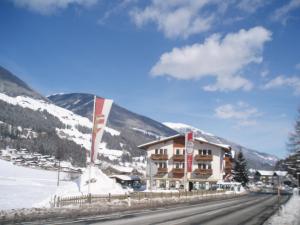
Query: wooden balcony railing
(178, 172)
(162, 170)
(159, 157)
(203, 158)
(203, 171)
(179, 158)
(228, 167)
(228, 159)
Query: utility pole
(58, 172)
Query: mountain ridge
(251, 155)
(65, 120)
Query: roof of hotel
(200, 139)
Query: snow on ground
(289, 214)
(22, 187)
(112, 154)
(113, 132)
(146, 132)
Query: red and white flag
(101, 111)
(189, 138)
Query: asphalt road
(246, 210)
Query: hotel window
(156, 151)
(209, 152)
(161, 151)
(165, 165)
(182, 165)
(177, 165)
(177, 152)
(209, 166)
(199, 151)
(183, 152)
(160, 165)
(165, 151)
(201, 166)
(204, 151)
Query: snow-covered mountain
(32, 121)
(29, 120)
(133, 129)
(256, 159)
(61, 125)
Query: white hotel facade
(211, 163)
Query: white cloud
(241, 113)
(264, 73)
(223, 59)
(177, 18)
(282, 14)
(280, 81)
(50, 6)
(251, 5)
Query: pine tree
(240, 171)
(293, 145)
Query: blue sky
(231, 68)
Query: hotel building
(211, 163)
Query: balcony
(203, 158)
(178, 158)
(203, 172)
(159, 157)
(228, 159)
(228, 168)
(162, 170)
(178, 172)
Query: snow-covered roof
(272, 173)
(200, 139)
(143, 146)
(124, 177)
(281, 173)
(266, 172)
(212, 143)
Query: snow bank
(100, 184)
(289, 213)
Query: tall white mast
(91, 161)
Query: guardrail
(91, 198)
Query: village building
(211, 163)
(270, 177)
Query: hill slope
(134, 129)
(13, 86)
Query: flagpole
(91, 156)
(185, 163)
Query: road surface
(246, 210)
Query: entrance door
(190, 186)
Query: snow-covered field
(22, 187)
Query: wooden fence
(91, 198)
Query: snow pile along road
(289, 214)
